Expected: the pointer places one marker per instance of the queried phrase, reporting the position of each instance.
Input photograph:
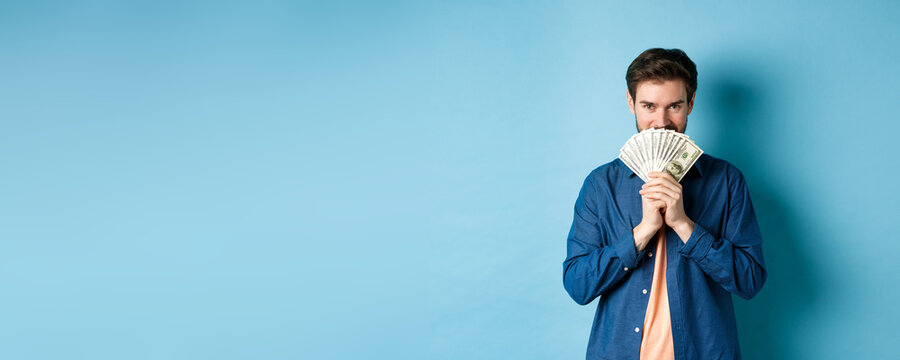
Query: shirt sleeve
(596, 261)
(734, 261)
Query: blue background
(396, 180)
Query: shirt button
(645, 291)
(637, 330)
(650, 254)
(626, 268)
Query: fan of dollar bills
(660, 150)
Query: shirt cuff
(698, 243)
(625, 249)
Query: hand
(651, 221)
(663, 187)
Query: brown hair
(662, 64)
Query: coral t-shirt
(656, 341)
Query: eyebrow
(674, 103)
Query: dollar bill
(659, 150)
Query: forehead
(661, 91)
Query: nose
(662, 120)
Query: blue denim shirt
(723, 256)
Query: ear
(630, 101)
(691, 103)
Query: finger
(658, 195)
(661, 175)
(660, 188)
(654, 179)
(657, 203)
(667, 181)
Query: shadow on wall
(742, 117)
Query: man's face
(661, 105)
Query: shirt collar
(696, 169)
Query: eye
(676, 106)
(648, 106)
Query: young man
(663, 258)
